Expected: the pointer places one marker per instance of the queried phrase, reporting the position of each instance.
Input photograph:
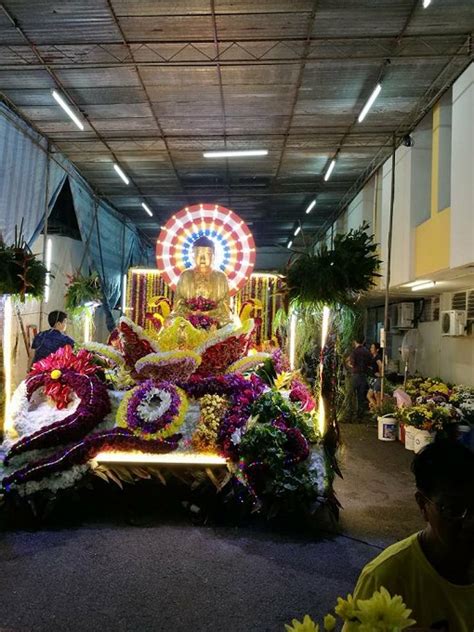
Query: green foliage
(82, 289)
(21, 271)
(334, 276)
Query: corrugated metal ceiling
(160, 82)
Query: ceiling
(159, 82)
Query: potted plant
(387, 419)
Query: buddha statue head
(203, 251)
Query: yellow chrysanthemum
(345, 607)
(384, 610)
(170, 338)
(307, 625)
(329, 622)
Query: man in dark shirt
(47, 342)
(360, 362)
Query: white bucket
(387, 428)
(410, 437)
(464, 434)
(422, 439)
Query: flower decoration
(172, 366)
(224, 348)
(301, 395)
(106, 353)
(133, 342)
(93, 406)
(213, 408)
(153, 410)
(249, 363)
(241, 393)
(169, 337)
(51, 370)
(83, 451)
(201, 321)
(200, 304)
(382, 613)
(429, 416)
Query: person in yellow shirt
(433, 570)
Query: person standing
(49, 341)
(360, 362)
(375, 383)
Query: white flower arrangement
(150, 411)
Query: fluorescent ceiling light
(310, 207)
(121, 174)
(418, 282)
(147, 209)
(426, 3)
(329, 171)
(423, 286)
(297, 230)
(370, 102)
(235, 154)
(290, 243)
(59, 99)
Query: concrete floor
(172, 575)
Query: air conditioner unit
(403, 316)
(453, 322)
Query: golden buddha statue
(203, 282)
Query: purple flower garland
(85, 450)
(241, 392)
(94, 405)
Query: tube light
(235, 154)
(324, 337)
(423, 286)
(121, 174)
(426, 3)
(59, 99)
(310, 207)
(417, 282)
(190, 458)
(370, 102)
(297, 230)
(7, 360)
(49, 255)
(290, 243)
(147, 209)
(124, 293)
(327, 175)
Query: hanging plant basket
(83, 292)
(22, 273)
(334, 276)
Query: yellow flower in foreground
(307, 625)
(329, 622)
(345, 607)
(384, 612)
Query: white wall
(402, 254)
(447, 357)
(361, 209)
(462, 171)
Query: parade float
(191, 378)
